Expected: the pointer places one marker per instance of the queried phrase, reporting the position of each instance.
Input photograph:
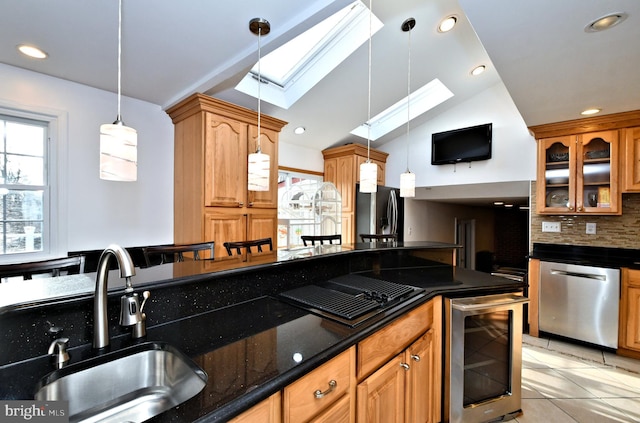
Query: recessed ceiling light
(478, 70)
(590, 112)
(498, 203)
(447, 23)
(299, 130)
(31, 51)
(606, 22)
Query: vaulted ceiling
(539, 49)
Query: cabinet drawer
(300, 402)
(377, 349)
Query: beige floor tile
(601, 382)
(621, 362)
(591, 410)
(629, 406)
(536, 342)
(552, 384)
(542, 410)
(556, 360)
(581, 351)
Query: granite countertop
(252, 349)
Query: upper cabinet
(579, 174)
(211, 201)
(585, 165)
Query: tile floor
(563, 382)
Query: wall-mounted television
(461, 145)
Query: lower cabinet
(629, 336)
(406, 387)
(393, 376)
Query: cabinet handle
(415, 357)
(405, 366)
(332, 386)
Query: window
(33, 142)
(295, 199)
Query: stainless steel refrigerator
(380, 213)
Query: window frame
(54, 204)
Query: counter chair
(53, 268)
(239, 245)
(378, 237)
(160, 254)
(320, 239)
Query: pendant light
(368, 169)
(258, 165)
(118, 143)
(408, 179)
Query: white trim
(56, 209)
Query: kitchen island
(233, 323)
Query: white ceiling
(539, 49)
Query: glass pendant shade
(118, 152)
(368, 177)
(407, 184)
(258, 172)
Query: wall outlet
(591, 228)
(551, 227)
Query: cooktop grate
(376, 287)
(343, 305)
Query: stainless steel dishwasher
(580, 302)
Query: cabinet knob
(321, 394)
(415, 357)
(240, 204)
(251, 204)
(405, 366)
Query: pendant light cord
(408, 98)
(369, 87)
(259, 83)
(118, 118)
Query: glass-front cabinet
(579, 174)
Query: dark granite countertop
(248, 347)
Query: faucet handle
(61, 356)
(140, 329)
(129, 309)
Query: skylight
(422, 100)
(294, 68)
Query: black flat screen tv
(461, 145)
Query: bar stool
(321, 239)
(378, 237)
(53, 268)
(175, 253)
(239, 245)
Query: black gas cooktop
(352, 299)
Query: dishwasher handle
(579, 275)
(480, 305)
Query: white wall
(97, 213)
(513, 148)
(298, 157)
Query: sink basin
(130, 385)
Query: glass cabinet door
(556, 191)
(596, 184)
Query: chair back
(53, 267)
(160, 254)
(320, 239)
(378, 237)
(239, 245)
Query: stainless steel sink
(130, 385)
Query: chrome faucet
(130, 313)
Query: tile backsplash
(611, 231)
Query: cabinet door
(268, 411)
(379, 175)
(380, 397)
(222, 225)
(346, 183)
(631, 181)
(630, 310)
(556, 175)
(225, 175)
(263, 224)
(269, 146)
(423, 381)
(340, 412)
(597, 185)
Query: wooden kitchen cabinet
(629, 333)
(399, 369)
(211, 201)
(268, 411)
(578, 174)
(326, 394)
(342, 168)
(631, 160)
